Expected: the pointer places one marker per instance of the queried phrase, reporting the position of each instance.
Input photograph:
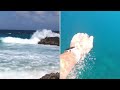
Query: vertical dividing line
(59, 40)
(60, 29)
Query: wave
(27, 63)
(23, 74)
(84, 44)
(35, 38)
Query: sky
(29, 20)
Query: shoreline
(54, 41)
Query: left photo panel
(29, 45)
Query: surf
(35, 38)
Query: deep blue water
(18, 33)
(105, 27)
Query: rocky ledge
(51, 76)
(50, 41)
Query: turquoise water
(105, 27)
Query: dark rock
(50, 41)
(51, 76)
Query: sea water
(103, 61)
(22, 58)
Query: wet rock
(50, 41)
(51, 76)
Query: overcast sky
(30, 20)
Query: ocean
(103, 61)
(22, 58)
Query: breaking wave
(35, 38)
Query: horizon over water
(103, 61)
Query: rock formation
(51, 76)
(50, 41)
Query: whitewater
(23, 58)
(35, 38)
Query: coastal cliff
(50, 41)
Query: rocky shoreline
(50, 41)
(51, 76)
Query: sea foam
(35, 38)
(84, 43)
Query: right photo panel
(90, 45)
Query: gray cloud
(40, 16)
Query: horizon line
(26, 29)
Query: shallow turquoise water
(105, 27)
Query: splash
(83, 44)
(82, 66)
(35, 38)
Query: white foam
(36, 37)
(22, 74)
(83, 44)
(27, 63)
